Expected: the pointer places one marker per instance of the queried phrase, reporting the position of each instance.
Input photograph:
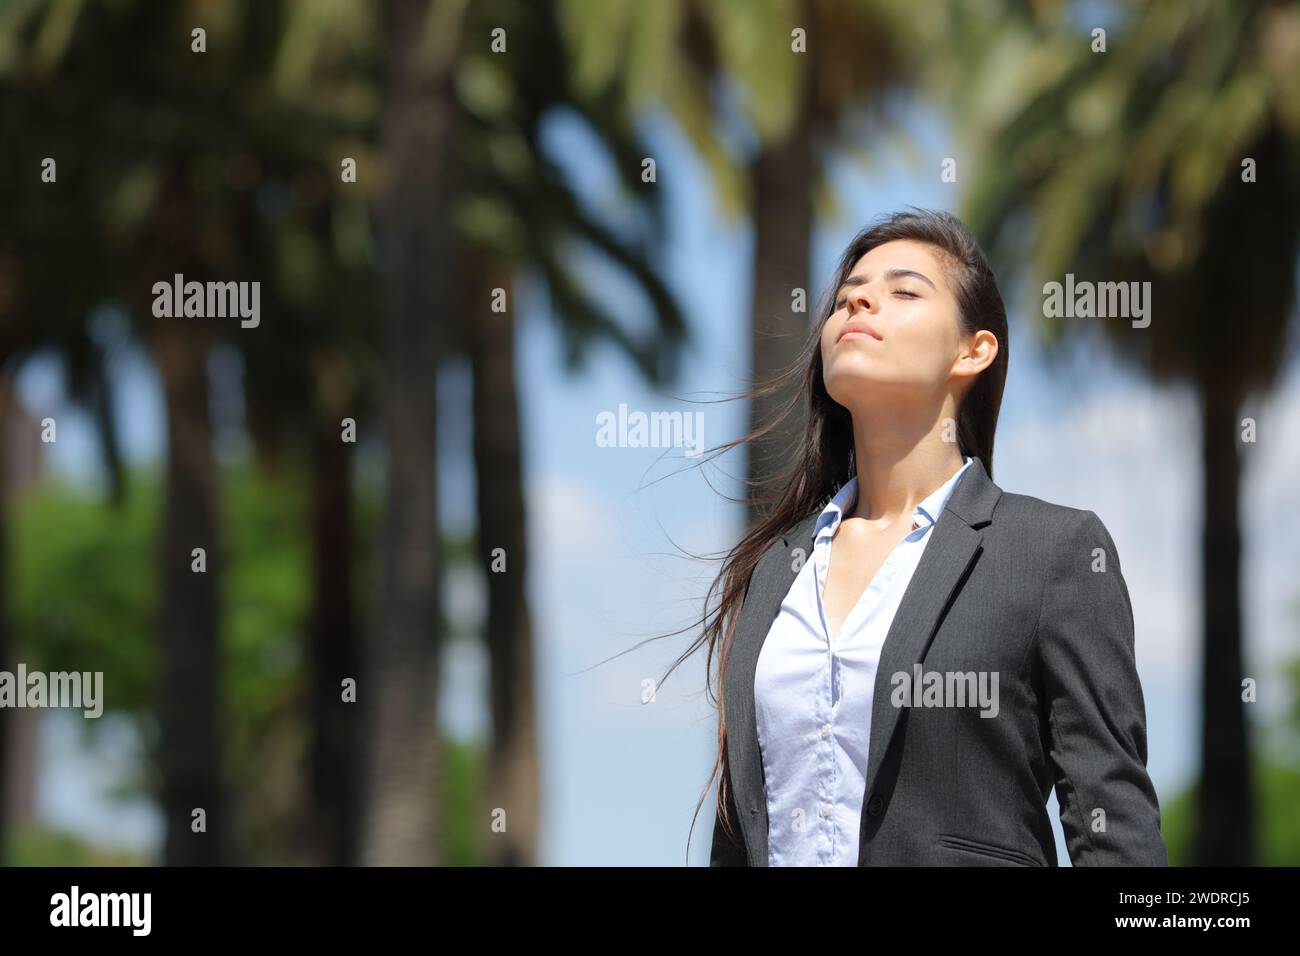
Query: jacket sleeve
(728, 851)
(1093, 701)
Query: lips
(858, 330)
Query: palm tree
(419, 130)
(315, 366)
(800, 107)
(139, 196)
(512, 778)
(51, 274)
(1131, 165)
(516, 212)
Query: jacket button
(874, 806)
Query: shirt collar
(924, 515)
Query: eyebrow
(890, 275)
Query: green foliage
(464, 765)
(84, 587)
(267, 594)
(1276, 783)
(61, 533)
(463, 835)
(264, 616)
(1277, 830)
(106, 622)
(1276, 800)
(36, 846)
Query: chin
(845, 388)
(854, 370)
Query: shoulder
(797, 535)
(785, 547)
(1052, 518)
(1048, 532)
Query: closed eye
(902, 292)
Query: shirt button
(826, 730)
(825, 809)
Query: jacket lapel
(768, 587)
(955, 543)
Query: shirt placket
(877, 588)
(826, 738)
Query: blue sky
(605, 573)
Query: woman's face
(895, 327)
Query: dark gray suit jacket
(1006, 584)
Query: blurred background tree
(805, 80)
(311, 96)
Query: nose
(861, 296)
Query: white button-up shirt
(813, 700)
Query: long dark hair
(823, 461)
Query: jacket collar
(925, 514)
(972, 501)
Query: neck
(902, 457)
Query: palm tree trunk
(15, 330)
(336, 742)
(7, 722)
(512, 778)
(1225, 826)
(191, 669)
(102, 400)
(781, 180)
(404, 786)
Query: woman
(909, 658)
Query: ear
(980, 351)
